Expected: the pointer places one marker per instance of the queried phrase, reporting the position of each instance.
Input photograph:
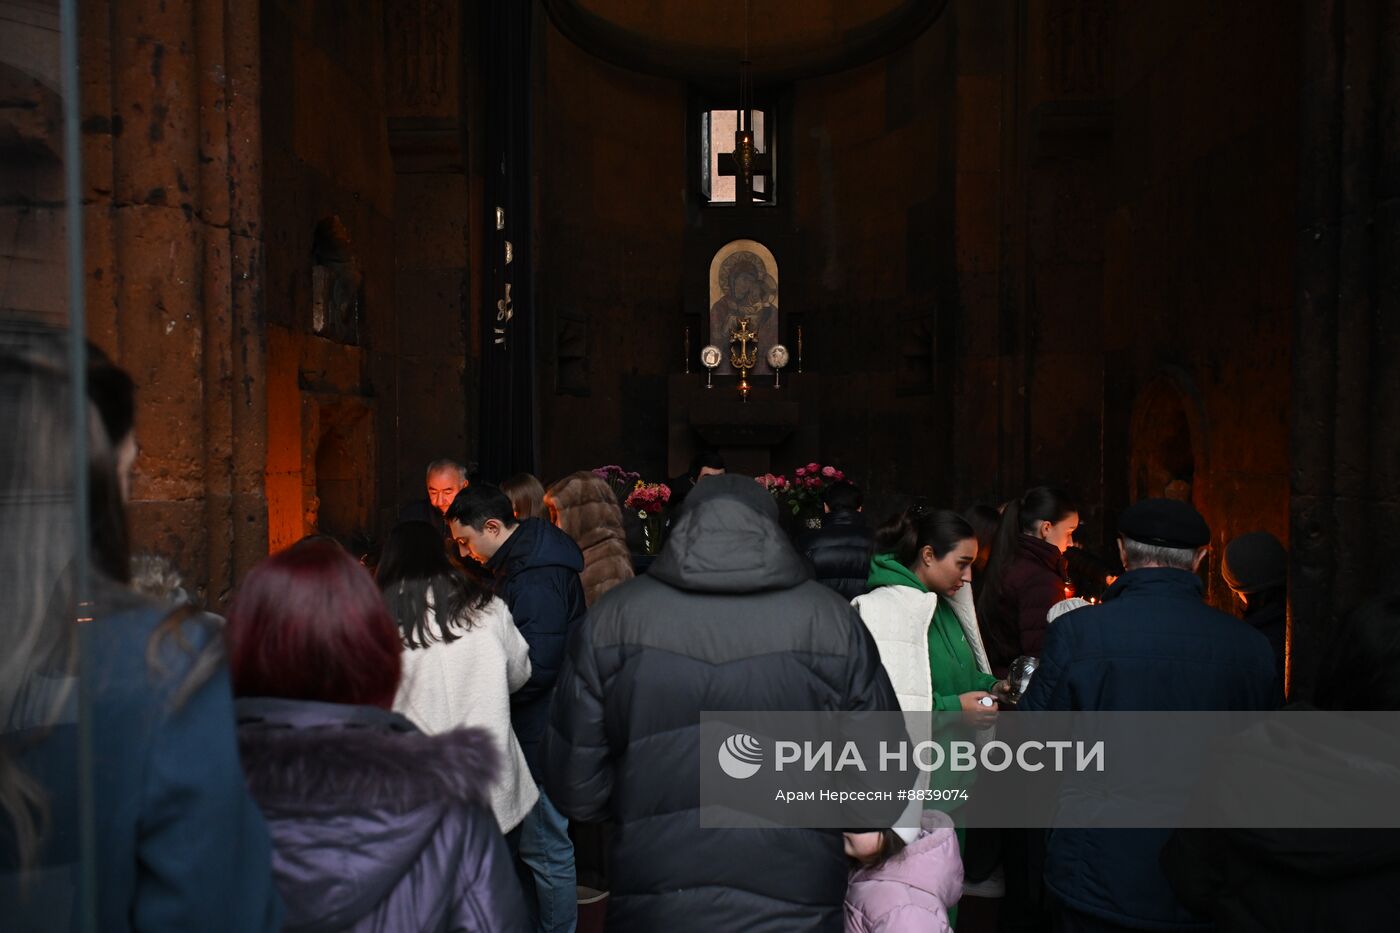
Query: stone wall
(365, 124)
(174, 239)
(1124, 256)
(624, 250)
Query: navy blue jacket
(180, 844)
(1152, 645)
(537, 576)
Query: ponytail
(1021, 516)
(919, 526)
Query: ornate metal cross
(745, 162)
(743, 358)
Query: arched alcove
(1168, 441)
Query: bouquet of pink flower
(619, 479)
(808, 483)
(648, 498)
(777, 486)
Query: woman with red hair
(374, 824)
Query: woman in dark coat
(1026, 574)
(375, 826)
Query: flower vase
(652, 525)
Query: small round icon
(710, 356)
(741, 756)
(778, 356)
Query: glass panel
(706, 169)
(760, 140)
(718, 128)
(47, 830)
(723, 124)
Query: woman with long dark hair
(1026, 574)
(463, 656)
(176, 842)
(375, 825)
(920, 611)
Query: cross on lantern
(745, 162)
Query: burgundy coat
(1034, 581)
(376, 826)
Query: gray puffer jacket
(726, 619)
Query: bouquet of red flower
(648, 498)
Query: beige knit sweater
(468, 682)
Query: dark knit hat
(1255, 562)
(1164, 523)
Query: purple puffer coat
(911, 893)
(376, 826)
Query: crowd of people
(502, 709)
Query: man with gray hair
(1153, 645)
(445, 478)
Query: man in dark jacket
(840, 549)
(536, 570)
(726, 619)
(704, 464)
(1152, 645)
(445, 479)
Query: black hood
(727, 540)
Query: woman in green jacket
(921, 614)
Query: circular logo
(741, 756)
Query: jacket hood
(1274, 764)
(534, 544)
(352, 796)
(886, 570)
(930, 863)
(727, 540)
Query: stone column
(171, 108)
(1346, 379)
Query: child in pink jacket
(902, 888)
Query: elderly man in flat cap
(1152, 645)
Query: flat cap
(1255, 562)
(1164, 523)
